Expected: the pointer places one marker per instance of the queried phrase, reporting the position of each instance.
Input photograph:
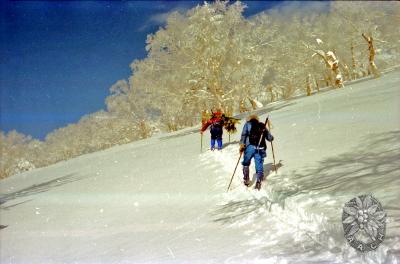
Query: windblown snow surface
(162, 201)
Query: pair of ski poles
(267, 123)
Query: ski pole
(234, 171)
(272, 148)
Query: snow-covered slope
(162, 201)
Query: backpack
(256, 131)
(216, 125)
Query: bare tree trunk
(242, 107)
(347, 72)
(253, 103)
(316, 84)
(354, 74)
(338, 75)
(272, 96)
(371, 59)
(308, 84)
(332, 64)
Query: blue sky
(58, 59)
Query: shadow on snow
(372, 166)
(36, 189)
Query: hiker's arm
(245, 134)
(268, 135)
(204, 127)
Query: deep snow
(162, 201)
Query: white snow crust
(160, 200)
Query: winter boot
(258, 185)
(260, 176)
(246, 178)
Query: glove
(242, 148)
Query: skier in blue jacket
(253, 147)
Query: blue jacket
(245, 135)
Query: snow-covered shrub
(18, 153)
(22, 166)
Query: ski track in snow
(292, 221)
(291, 224)
(277, 219)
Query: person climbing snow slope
(216, 123)
(253, 144)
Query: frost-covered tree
(367, 30)
(208, 58)
(19, 153)
(212, 57)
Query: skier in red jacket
(216, 123)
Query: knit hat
(250, 117)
